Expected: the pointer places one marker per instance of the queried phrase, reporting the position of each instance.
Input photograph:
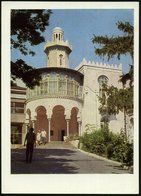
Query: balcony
(56, 88)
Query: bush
(106, 143)
(93, 142)
(110, 150)
(124, 153)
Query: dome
(57, 29)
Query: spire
(58, 50)
(58, 34)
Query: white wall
(90, 113)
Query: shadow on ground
(45, 161)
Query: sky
(79, 26)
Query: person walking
(30, 140)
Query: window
(16, 134)
(102, 80)
(17, 107)
(41, 88)
(46, 87)
(62, 85)
(70, 87)
(61, 56)
(52, 84)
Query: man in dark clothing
(30, 138)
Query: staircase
(56, 144)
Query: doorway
(58, 123)
(62, 135)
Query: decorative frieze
(98, 65)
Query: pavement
(62, 158)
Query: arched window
(102, 80)
(61, 56)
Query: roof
(58, 28)
(60, 69)
(18, 88)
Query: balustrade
(56, 85)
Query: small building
(18, 98)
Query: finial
(84, 60)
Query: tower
(58, 50)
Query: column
(67, 127)
(26, 125)
(73, 88)
(48, 81)
(49, 120)
(33, 121)
(79, 127)
(66, 93)
(57, 87)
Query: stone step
(54, 144)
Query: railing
(61, 43)
(75, 92)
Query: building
(66, 101)
(18, 98)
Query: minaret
(58, 50)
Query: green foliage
(27, 27)
(110, 150)
(29, 75)
(120, 45)
(106, 143)
(116, 100)
(95, 141)
(124, 153)
(128, 77)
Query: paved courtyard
(61, 158)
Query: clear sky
(79, 25)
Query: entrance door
(62, 135)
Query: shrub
(110, 150)
(93, 142)
(124, 153)
(106, 143)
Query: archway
(73, 122)
(41, 121)
(58, 124)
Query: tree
(121, 45)
(110, 104)
(27, 27)
(111, 46)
